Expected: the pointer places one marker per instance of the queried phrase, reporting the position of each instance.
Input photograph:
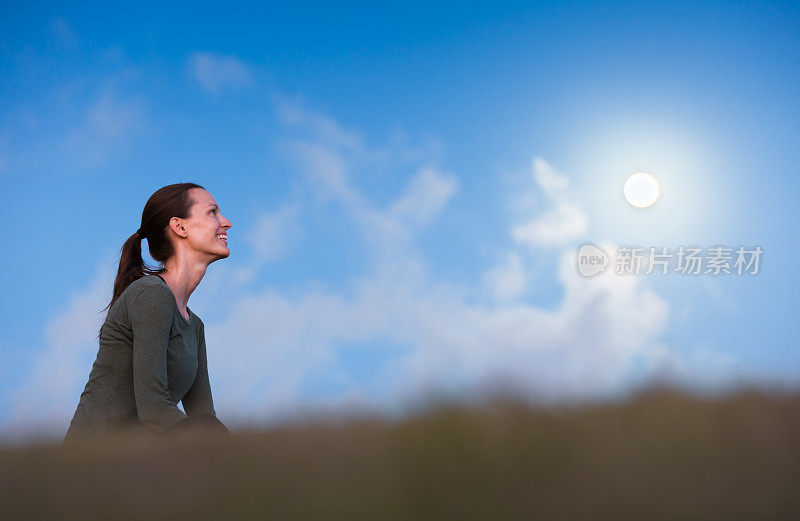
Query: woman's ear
(177, 226)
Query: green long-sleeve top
(150, 358)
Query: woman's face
(206, 224)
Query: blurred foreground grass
(661, 455)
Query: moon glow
(641, 190)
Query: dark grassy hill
(663, 455)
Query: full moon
(641, 190)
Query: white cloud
(325, 168)
(110, 122)
(506, 281)
(268, 345)
(270, 238)
(725, 302)
(701, 368)
(271, 232)
(75, 127)
(59, 371)
(563, 223)
(553, 183)
(327, 154)
(217, 73)
(425, 196)
(588, 346)
(318, 127)
(560, 225)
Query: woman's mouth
(223, 237)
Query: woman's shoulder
(197, 321)
(139, 291)
(144, 282)
(141, 285)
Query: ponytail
(166, 203)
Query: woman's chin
(221, 253)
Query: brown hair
(166, 203)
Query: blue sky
(380, 168)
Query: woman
(152, 347)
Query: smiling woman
(152, 346)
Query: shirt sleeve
(198, 399)
(151, 317)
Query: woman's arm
(151, 318)
(198, 399)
